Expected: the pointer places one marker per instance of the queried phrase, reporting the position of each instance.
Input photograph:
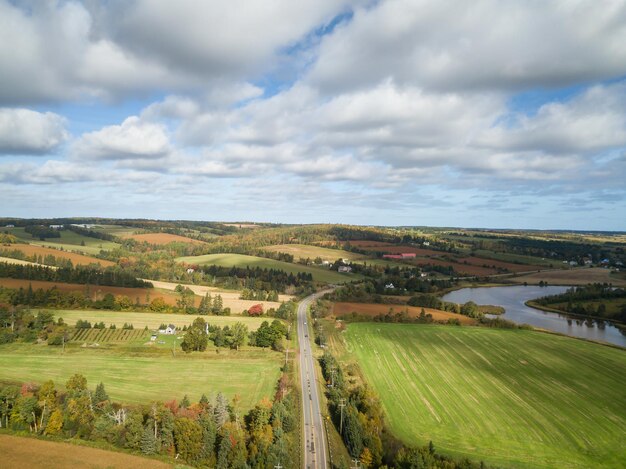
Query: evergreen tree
(218, 305)
(100, 395)
(148, 441)
(220, 412)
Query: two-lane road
(314, 436)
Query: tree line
(110, 276)
(208, 433)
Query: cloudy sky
(490, 113)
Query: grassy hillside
(509, 397)
(135, 376)
(241, 260)
(305, 251)
(69, 241)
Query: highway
(314, 436)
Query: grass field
(509, 397)
(373, 309)
(305, 251)
(230, 297)
(10, 260)
(68, 240)
(581, 276)
(241, 260)
(19, 452)
(152, 320)
(142, 375)
(76, 258)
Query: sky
(490, 113)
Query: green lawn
(508, 397)
(152, 320)
(241, 260)
(141, 377)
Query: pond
(512, 300)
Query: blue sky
(482, 114)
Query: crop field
(373, 309)
(509, 397)
(305, 251)
(19, 452)
(581, 276)
(230, 297)
(68, 240)
(148, 374)
(76, 258)
(241, 260)
(95, 291)
(376, 246)
(10, 260)
(109, 336)
(516, 258)
(162, 238)
(151, 320)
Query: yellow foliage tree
(55, 423)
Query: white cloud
(459, 45)
(23, 131)
(133, 139)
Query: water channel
(512, 300)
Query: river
(512, 300)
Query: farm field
(76, 258)
(68, 240)
(373, 309)
(151, 320)
(509, 397)
(95, 291)
(509, 257)
(110, 336)
(379, 246)
(241, 260)
(10, 260)
(162, 238)
(306, 251)
(153, 374)
(230, 297)
(581, 276)
(19, 452)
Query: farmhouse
(56, 227)
(169, 330)
(390, 286)
(190, 271)
(344, 269)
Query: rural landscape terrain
(313, 234)
(170, 339)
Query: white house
(169, 330)
(190, 271)
(390, 286)
(426, 243)
(344, 269)
(10, 226)
(56, 227)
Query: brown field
(77, 259)
(19, 452)
(479, 261)
(373, 309)
(581, 276)
(94, 291)
(462, 269)
(389, 248)
(231, 298)
(162, 238)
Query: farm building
(190, 271)
(169, 330)
(344, 269)
(390, 286)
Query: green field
(241, 260)
(133, 376)
(509, 397)
(69, 241)
(306, 251)
(152, 320)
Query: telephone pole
(342, 404)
